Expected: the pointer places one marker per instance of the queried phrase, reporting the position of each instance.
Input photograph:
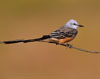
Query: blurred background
(25, 19)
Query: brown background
(23, 19)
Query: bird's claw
(56, 43)
(69, 45)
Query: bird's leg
(69, 45)
(57, 43)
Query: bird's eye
(74, 24)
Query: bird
(63, 35)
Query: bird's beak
(80, 25)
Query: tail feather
(37, 39)
(26, 41)
(11, 42)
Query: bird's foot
(69, 45)
(57, 43)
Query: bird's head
(73, 24)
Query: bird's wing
(64, 33)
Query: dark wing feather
(63, 34)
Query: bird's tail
(26, 41)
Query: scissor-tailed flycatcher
(62, 35)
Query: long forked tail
(26, 41)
